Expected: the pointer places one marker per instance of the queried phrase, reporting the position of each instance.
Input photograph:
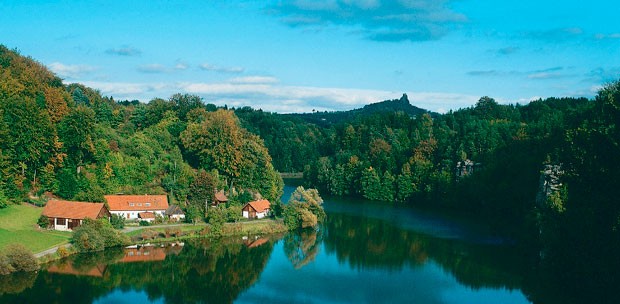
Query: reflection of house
(257, 242)
(146, 216)
(67, 268)
(256, 209)
(220, 198)
(66, 215)
(143, 254)
(175, 213)
(129, 206)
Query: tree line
(71, 141)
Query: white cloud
(70, 71)
(219, 69)
(255, 80)
(261, 92)
(153, 68)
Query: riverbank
(175, 233)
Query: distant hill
(394, 105)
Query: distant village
(67, 215)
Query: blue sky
(296, 56)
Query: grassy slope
(18, 224)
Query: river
(364, 253)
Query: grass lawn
(18, 224)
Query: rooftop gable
(72, 210)
(260, 205)
(137, 202)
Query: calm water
(365, 253)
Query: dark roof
(174, 209)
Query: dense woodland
(73, 142)
(78, 145)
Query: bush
(233, 214)
(95, 235)
(5, 265)
(173, 231)
(20, 258)
(144, 223)
(63, 252)
(4, 201)
(117, 221)
(43, 221)
(149, 234)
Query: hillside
(71, 141)
(395, 105)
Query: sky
(323, 55)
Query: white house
(256, 209)
(130, 206)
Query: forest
(485, 161)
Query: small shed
(175, 213)
(256, 209)
(146, 216)
(67, 215)
(220, 198)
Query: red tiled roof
(67, 268)
(257, 243)
(220, 196)
(72, 210)
(137, 202)
(146, 215)
(260, 205)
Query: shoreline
(243, 228)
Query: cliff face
(549, 182)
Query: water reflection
(201, 271)
(382, 256)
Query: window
(61, 221)
(139, 204)
(131, 204)
(147, 204)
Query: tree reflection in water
(301, 248)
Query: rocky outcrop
(550, 182)
(466, 168)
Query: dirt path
(51, 250)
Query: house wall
(177, 217)
(246, 214)
(60, 227)
(133, 214)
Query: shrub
(43, 221)
(149, 234)
(4, 201)
(144, 223)
(95, 235)
(5, 265)
(20, 258)
(173, 231)
(233, 214)
(117, 221)
(63, 252)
